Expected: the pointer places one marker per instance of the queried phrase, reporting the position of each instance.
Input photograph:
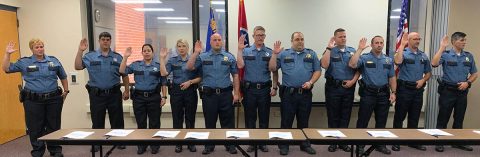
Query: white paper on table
(435, 132)
(331, 133)
(119, 133)
(280, 135)
(78, 134)
(237, 134)
(386, 134)
(166, 134)
(197, 135)
(476, 131)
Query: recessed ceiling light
(397, 10)
(201, 6)
(136, 1)
(217, 2)
(153, 9)
(172, 18)
(394, 17)
(220, 10)
(178, 22)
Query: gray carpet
(21, 148)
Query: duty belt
(209, 90)
(261, 85)
(99, 91)
(29, 95)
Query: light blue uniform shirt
(297, 68)
(338, 68)
(178, 68)
(413, 66)
(256, 64)
(40, 76)
(457, 67)
(147, 77)
(376, 70)
(102, 70)
(215, 68)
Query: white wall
(316, 19)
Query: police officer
(147, 101)
(459, 72)
(377, 86)
(216, 65)
(104, 84)
(42, 98)
(300, 70)
(257, 86)
(183, 89)
(340, 85)
(415, 70)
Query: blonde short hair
(182, 41)
(35, 41)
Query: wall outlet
(74, 78)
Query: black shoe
(283, 151)
(439, 148)
(207, 151)
(263, 148)
(396, 148)
(178, 149)
(309, 150)
(192, 148)
(121, 147)
(463, 147)
(141, 150)
(95, 149)
(232, 150)
(419, 147)
(56, 154)
(383, 149)
(250, 148)
(155, 150)
(332, 148)
(345, 148)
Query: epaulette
(24, 57)
(467, 52)
(137, 61)
(445, 51)
(268, 48)
(365, 53)
(287, 49)
(116, 53)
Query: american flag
(402, 23)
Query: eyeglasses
(260, 35)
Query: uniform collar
(45, 58)
(213, 53)
(338, 49)
(99, 53)
(254, 47)
(179, 58)
(293, 51)
(409, 51)
(382, 56)
(452, 52)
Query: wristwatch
(164, 97)
(393, 92)
(275, 88)
(469, 83)
(66, 91)
(328, 48)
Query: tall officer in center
(340, 85)
(257, 85)
(415, 70)
(104, 84)
(216, 66)
(300, 70)
(377, 86)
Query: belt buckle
(145, 94)
(259, 86)
(300, 91)
(107, 91)
(217, 90)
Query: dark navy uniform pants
(257, 102)
(100, 103)
(339, 102)
(409, 101)
(184, 107)
(218, 106)
(451, 101)
(147, 107)
(370, 102)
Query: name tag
(115, 63)
(53, 68)
(249, 57)
(308, 60)
(32, 68)
(335, 59)
(387, 66)
(410, 61)
(226, 63)
(468, 64)
(175, 67)
(136, 72)
(287, 60)
(93, 63)
(370, 64)
(266, 58)
(154, 73)
(452, 63)
(207, 62)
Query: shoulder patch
(467, 52)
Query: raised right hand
(128, 52)
(404, 39)
(83, 44)
(198, 47)
(362, 44)
(241, 42)
(277, 47)
(444, 42)
(331, 43)
(163, 53)
(9, 48)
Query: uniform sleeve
(442, 59)
(85, 61)
(16, 67)
(198, 62)
(61, 72)
(474, 67)
(316, 63)
(279, 60)
(168, 66)
(360, 62)
(129, 68)
(163, 80)
(391, 72)
(233, 66)
(427, 67)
